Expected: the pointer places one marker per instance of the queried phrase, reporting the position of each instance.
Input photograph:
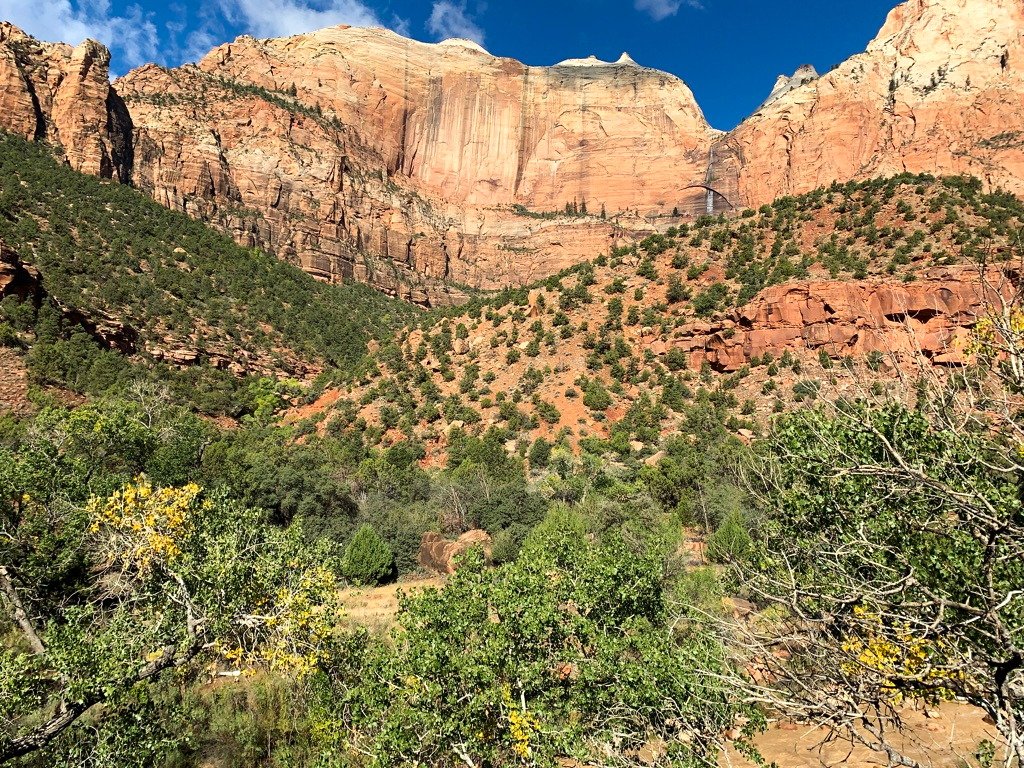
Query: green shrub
(731, 541)
(368, 560)
(540, 453)
(535, 681)
(596, 397)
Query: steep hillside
(425, 169)
(751, 315)
(156, 286)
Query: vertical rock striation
(60, 94)
(418, 167)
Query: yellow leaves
(896, 655)
(994, 336)
(292, 633)
(521, 725)
(143, 526)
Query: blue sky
(728, 51)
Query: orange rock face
(939, 90)
(62, 95)
(932, 315)
(440, 555)
(416, 167)
(359, 153)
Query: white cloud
(278, 18)
(133, 35)
(662, 9)
(199, 43)
(449, 19)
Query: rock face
(347, 143)
(60, 94)
(16, 277)
(416, 167)
(939, 90)
(438, 554)
(783, 85)
(933, 315)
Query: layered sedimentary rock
(932, 316)
(347, 143)
(939, 90)
(454, 121)
(419, 167)
(60, 94)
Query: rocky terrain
(428, 169)
(938, 90)
(837, 292)
(62, 95)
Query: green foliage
(596, 397)
(699, 480)
(195, 574)
(730, 541)
(368, 560)
(676, 291)
(105, 252)
(540, 453)
(711, 300)
(918, 516)
(535, 681)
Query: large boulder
(439, 554)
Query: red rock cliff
(61, 94)
(415, 167)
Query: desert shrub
(535, 681)
(540, 453)
(596, 397)
(368, 560)
(730, 541)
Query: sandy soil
(375, 608)
(946, 737)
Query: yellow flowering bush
(521, 725)
(141, 526)
(303, 616)
(285, 617)
(898, 657)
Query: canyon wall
(62, 95)
(426, 168)
(939, 90)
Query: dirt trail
(947, 737)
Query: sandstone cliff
(932, 316)
(53, 92)
(939, 90)
(420, 168)
(347, 143)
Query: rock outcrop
(440, 555)
(939, 90)
(60, 94)
(16, 277)
(932, 316)
(804, 74)
(358, 153)
(417, 167)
